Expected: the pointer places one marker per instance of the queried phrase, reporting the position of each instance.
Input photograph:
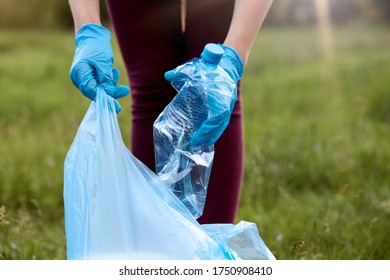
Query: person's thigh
(208, 21)
(151, 43)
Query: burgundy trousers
(152, 42)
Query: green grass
(317, 158)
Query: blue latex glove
(232, 63)
(92, 64)
(220, 100)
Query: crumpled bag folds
(117, 208)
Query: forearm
(247, 19)
(84, 11)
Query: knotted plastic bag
(117, 208)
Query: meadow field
(317, 134)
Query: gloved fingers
(108, 82)
(121, 91)
(105, 78)
(206, 135)
(218, 103)
(211, 130)
(115, 75)
(118, 107)
(182, 72)
(169, 75)
(116, 91)
(83, 77)
(177, 79)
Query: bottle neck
(207, 65)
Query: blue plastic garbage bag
(242, 240)
(117, 208)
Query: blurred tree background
(38, 14)
(55, 14)
(300, 12)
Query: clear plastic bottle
(182, 162)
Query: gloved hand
(232, 63)
(92, 64)
(221, 98)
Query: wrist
(232, 61)
(92, 30)
(83, 16)
(240, 50)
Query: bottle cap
(212, 53)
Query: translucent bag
(116, 208)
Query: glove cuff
(92, 30)
(235, 62)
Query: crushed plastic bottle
(183, 162)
